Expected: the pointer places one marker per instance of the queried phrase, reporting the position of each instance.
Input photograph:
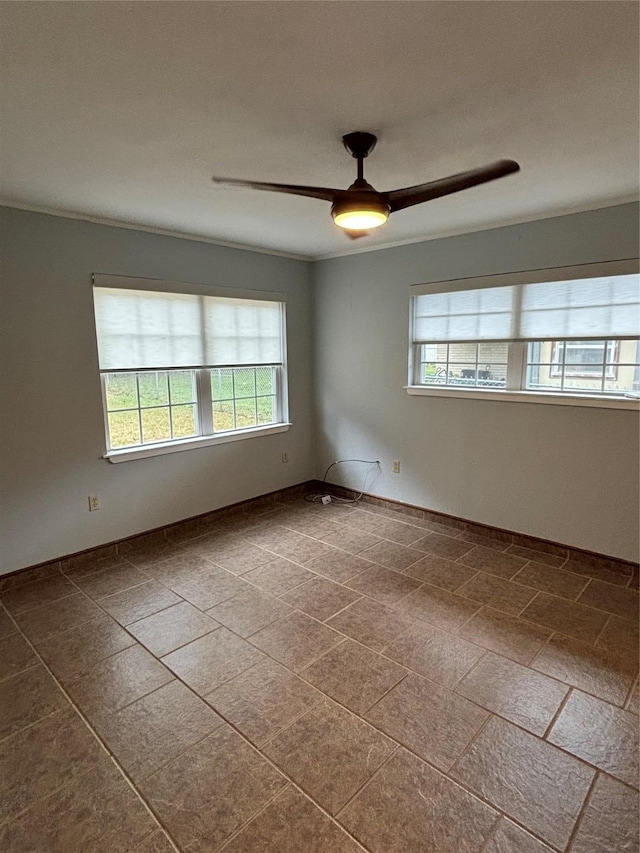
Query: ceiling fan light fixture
(360, 216)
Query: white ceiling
(123, 111)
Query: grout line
(556, 716)
(583, 810)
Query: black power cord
(317, 497)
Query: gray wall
(52, 422)
(562, 473)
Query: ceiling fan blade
(324, 193)
(353, 235)
(407, 197)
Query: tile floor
(319, 679)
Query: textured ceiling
(123, 111)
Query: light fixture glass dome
(360, 214)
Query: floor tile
(172, 627)
(398, 532)
(537, 556)
(134, 604)
(385, 585)
(117, 681)
(6, 625)
(622, 635)
(96, 812)
(513, 691)
(278, 576)
(296, 640)
(613, 599)
(248, 612)
(442, 546)
(509, 838)
(36, 761)
(487, 541)
(157, 842)
(111, 580)
(263, 700)
(371, 623)
(498, 593)
(181, 568)
(599, 733)
(292, 824)
(440, 572)
(320, 598)
(551, 579)
(339, 566)
(330, 753)
(610, 821)
(26, 698)
(633, 703)
(15, 656)
(505, 635)
(440, 656)
(208, 590)
(408, 807)
(37, 593)
(353, 541)
(603, 672)
(428, 719)
(391, 556)
(147, 550)
(494, 562)
(27, 576)
(241, 558)
(354, 675)
(534, 783)
(71, 654)
(91, 561)
(59, 616)
(298, 547)
(438, 607)
(149, 733)
(604, 569)
(209, 792)
(208, 662)
(578, 621)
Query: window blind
(140, 329)
(593, 307)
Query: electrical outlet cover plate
(396, 466)
(94, 503)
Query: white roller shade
(593, 307)
(140, 329)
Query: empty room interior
(320, 379)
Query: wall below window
(52, 422)
(561, 473)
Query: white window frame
(515, 390)
(204, 413)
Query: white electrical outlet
(396, 466)
(285, 456)
(94, 503)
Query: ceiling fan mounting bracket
(359, 144)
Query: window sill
(526, 397)
(127, 454)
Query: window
(541, 332)
(183, 365)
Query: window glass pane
(183, 419)
(222, 383)
(493, 353)
(245, 381)
(463, 352)
(121, 391)
(223, 416)
(182, 386)
(124, 429)
(265, 380)
(246, 413)
(578, 366)
(155, 425)
(153, 389)
(266, 410)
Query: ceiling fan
(361, 207)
